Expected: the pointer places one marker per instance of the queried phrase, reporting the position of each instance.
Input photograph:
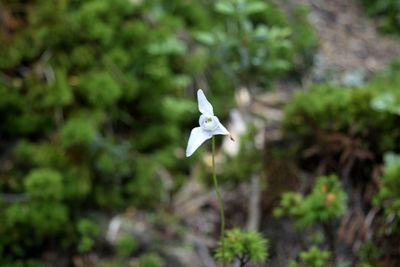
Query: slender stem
(220, 202)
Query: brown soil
(348, 38)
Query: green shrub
(244, 246)
(369, 254)
(78, 131)
(44, 184)
(326, 202)
(389, 192)
(41, 217)
(350, 111)
(126, 245)
(386, 12)
(252, 51)
(100, 89)
(89, 232)
(314, 257)
(150, 260)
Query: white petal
(197, 137)
(220, 130)
(204, 106)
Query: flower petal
(204, 106)
(220, 130)
(197, 137)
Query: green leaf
(255, 7)
(261, 32)
(170, 46)
(206, 38)
(225, 8)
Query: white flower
(209, 125)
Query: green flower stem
(220, 202)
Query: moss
(95, 95)
(349, 111)
(44, 184)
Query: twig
(204, 253)
(254, 203)
(14, 198)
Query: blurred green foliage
(252, 50)
(358, 113)
(248, 161)
(314, 257)
(326, 202)
(95, 97)
(88, 231)
(150, 260)
(387, 13)
(388, 196)
(369, 255)
(126, 245)
(388, 100)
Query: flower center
(208, 123)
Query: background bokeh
(97, 100)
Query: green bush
(314, 257)
(326, 202)
(150, 260)
(100, 89)
(387, 12)
(355, 113)
(388, 196)
(88, 231)
(369, 254)
(44, 184)
(126, 245)
(78, 131)
(253, 49)
(244, 246)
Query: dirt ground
(348, 38)
(349, 44)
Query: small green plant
(126, 245)
(387, 100)
(327, 201)
(150, 260)
(243, 246)
(369, 254)
(44, 184)
(388, 195)
(314, 257)
(89, 232)
(325, 204)
(78, 131)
